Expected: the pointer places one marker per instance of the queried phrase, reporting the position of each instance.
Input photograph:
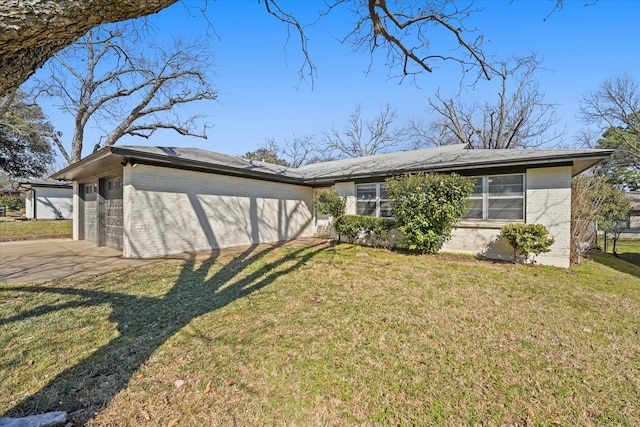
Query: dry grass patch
(19, 230)
(328, 336)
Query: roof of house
(27, 184)
(440, 159)
(634, 198)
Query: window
(114, 184)
(90, 189)
(497, 197)
(373, 200)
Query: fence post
(605, 241)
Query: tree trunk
(31, 31)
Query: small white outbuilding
(46, 198)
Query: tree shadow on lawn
(94, 381)
(627, 263)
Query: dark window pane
(366, 191)
(475, 209)
(505, 208)
(505, 185)
(477, 187)
(384, 194)
(366, 208)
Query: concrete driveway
(40, 260)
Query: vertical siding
(169, 211)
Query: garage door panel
(113, 213)
(90, 212)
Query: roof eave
(586, 161)
(134, 156)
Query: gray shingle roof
(41, 182)
(440, 159)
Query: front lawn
(41, 228)
(328, 336)
(627, 249)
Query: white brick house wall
(547, 202)
(169, 211)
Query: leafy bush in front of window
(365, 229)
(11, 202)
(427, 206)
(526, 239)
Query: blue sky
(260, 95)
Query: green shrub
(374, 231)
(330, 203)
(11, 202)
(427, 206)
(526, 239)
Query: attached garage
(100, 211)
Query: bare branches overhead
(31, 31)
(127, 87)
(413, 35)
(416, 35)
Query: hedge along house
(156, 201)
(46, 198)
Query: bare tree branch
(615, 107)
(361, 137)
(520, 118)
(132, 89)
(274, 9)
(416, 35)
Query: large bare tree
(364, 137)
(615, 108)
(31, 31)
(127, 87)
(518, 118)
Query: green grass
(19, 230)
(627, 249)
(328, 336)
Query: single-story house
(46, 198)
(156, 201)
(634, 212)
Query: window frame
(486, 198)
(378, 200)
